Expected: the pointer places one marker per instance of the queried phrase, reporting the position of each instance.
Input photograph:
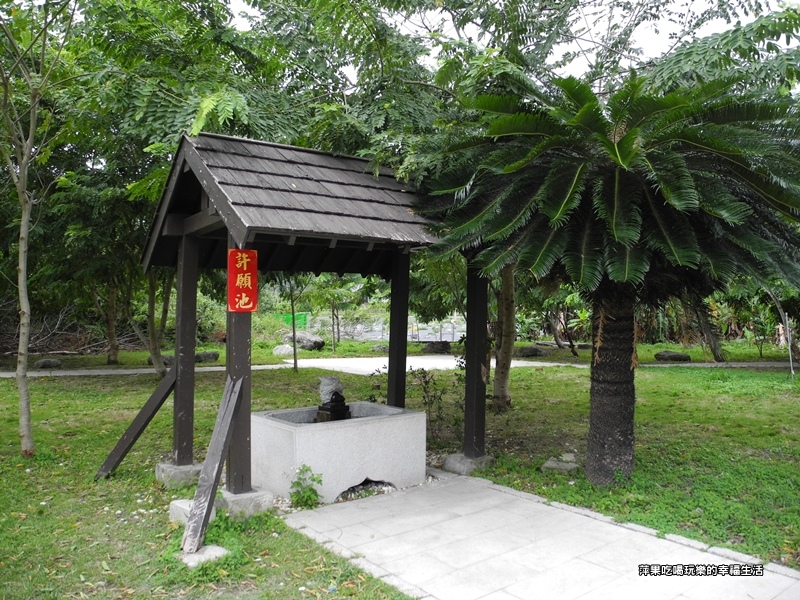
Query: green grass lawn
(64, 535)
(718, 460)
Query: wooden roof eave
(160, 218)
(216, 196)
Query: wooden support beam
(185, 345)
(475, 376)
(202, 223)
(139, 424)
(212, 469)
(398, 331)
(238, 480)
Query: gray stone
(167, 359)
(442, 347)
(204, 554)
(283, 350)
(178, 476)
(568, 457)
(458, 463)
(305, 340)
(670, 356)
(328, 384)
(553, 464)
(47, 363)
(528, 351)
(382, 348)
(179, 510)
(242, 506)
(206, 357)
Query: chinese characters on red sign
(242, 280)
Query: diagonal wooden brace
(139, 424)
(212, 469)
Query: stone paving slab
(465, 538)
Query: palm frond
(584, 258)
(591, 118)
(616, 198)
(623, 151)
(541, 247)
(669, 173)
(522, 124)
(717, 200)
(627, 264)
(576, 92)
(561, 190)
(717, 261)
(671, 232)
(543, 147)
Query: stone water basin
(379, 442)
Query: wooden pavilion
(303, 211)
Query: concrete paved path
(371, 364)
(358, 366)
(464, 538)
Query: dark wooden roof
(303, 210)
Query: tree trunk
(506, 330)
(28, 448)
(294, 324)
(333, 327)
(153, 337)
(707, 329)
(111, 327)
(554, 326)
(612, 396)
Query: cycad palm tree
(635, 199)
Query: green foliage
(653, 186)
(303, 493)
(763, 52)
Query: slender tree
(32, 64)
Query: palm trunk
(506, 330)
(610, 448)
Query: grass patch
(65, 535)
(718, 457)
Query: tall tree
(31, 71)
(637, 197)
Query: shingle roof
(271, 195)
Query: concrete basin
(379, 442)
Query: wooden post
(398, 331)
(238, 480)
(185, 345)
(475, 349)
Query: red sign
(242, 280)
